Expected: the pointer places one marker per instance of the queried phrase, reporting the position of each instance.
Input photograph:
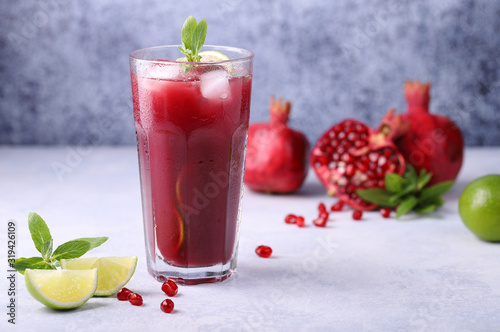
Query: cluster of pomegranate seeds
(167, 306)
(135, 299)
(123, 294)
(264, 251)
(356, 215)
(385, 212)
(293, 219)
(170, 288)
(352, 156)
(337, 206)
(126, 294)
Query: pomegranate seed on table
(321, 207)
(324, 215)
(300, 221)
(170, 288)
(264, 251)
(123, 294)
(167, 306)
(135, 299)
(291, 219)
(385, 212)
(356, 215)
(337, 206)
(320, 221)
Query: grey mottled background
(64, 75)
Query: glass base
(194, 275)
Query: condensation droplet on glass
(223, 96)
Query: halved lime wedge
(112, 272)
(61, 289)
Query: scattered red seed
(356, 215)
(135, 299)
(123, 294)
(167, 306)
(320, 222)
(321, 207)
(291, 219)
(264, 251)
(170, 288)
(324, 215)
(300, 221)
(385, 212)
(337, 206)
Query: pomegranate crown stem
(391, 127)
(280, 111)
(417, 96)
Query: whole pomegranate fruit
(433, 142)
(351, 156)
(276, 160)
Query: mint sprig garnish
(408, 192)
(193, 37)
(42, 239)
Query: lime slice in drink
(212, 56)
(61, 289)
(112, 272)
(208, 56)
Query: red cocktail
(191, 123)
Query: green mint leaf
(193, 37)
(425, 209)
(394, 182)
(199, 35)
(436, 190)
(187, 32)
(22, 264)
(377, 196)
(411, 175)
(395, 199)
(93, 241)
(71, 249)
(423, 179)
(47, 249)
(406, 205)
(408, 188)
(434, 200)
(39, 231)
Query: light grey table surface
(416, 274)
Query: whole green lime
(479, 207)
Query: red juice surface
(191, 135)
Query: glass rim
(246, 54)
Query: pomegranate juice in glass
(191, 124)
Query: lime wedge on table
(112, 272)
(61, 289)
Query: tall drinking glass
(191, 124)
